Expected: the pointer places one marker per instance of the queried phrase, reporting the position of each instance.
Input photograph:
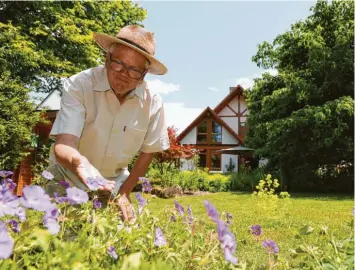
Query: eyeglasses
(119, 66)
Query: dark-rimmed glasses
(119, 66)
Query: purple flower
(8, 203)
(21, 213)
(159, 238)
(173, 218)
(179, 208)
(10, 184)
(52, 225)
(51, 213)
(102, 181)
(6, 242)
(146, 186)
(60, 199)
(47, 175)
(112, 252)
(34, 197)
(228, 242)
(96, 203)
(5, 174)
(256, 230)
(77, 196)
(64, 184)
(141, 202)
(271, 246)
(229, 218)
(14, 225)
(211, 211)
(189, 211)
(92, 183)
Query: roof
(238, 90)
(216, 118)
(51, 102)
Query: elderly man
(107, 115)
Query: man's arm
(139, 169)
(67, 154)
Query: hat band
(134, 44)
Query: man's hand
(126, 207)
(83, 169)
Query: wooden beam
(231, 109)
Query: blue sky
(207, 47)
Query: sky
(207, 47)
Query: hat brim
(105, 41)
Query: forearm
(66, 151)
(139, 169)
(64, 155)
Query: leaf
(306, 230)
(41, 238)
(132, 262)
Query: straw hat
(138, 39)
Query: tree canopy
(302, 118)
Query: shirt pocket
(132, 141)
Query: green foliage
(301, 120)
(246, 180)
(86, 234)
(190, 180)
(231, 166)
(17, 117)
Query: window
(209, 131)
(202, 159)
(242, 124)
(216, 162)
(216, 133)
(202, 132)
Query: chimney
(231, 89)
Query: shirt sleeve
(156, 139)
(71, 116)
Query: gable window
(216, 134)
(202, 132)
(209, 132)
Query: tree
(302, 118)
(174, 153)
(40, 44)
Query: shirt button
(109, 153)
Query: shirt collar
(102, 84)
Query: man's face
(125, 68)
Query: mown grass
(281, 223)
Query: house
(23, 174)
(216, 129)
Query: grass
(281, 224)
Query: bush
(243, 180)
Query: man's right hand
(83, 169)
(66, 153)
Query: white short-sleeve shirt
(110, 133)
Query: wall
(227, 138)
(232, 122)
(225, 161)
(187, 165)
(190, 138)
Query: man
(107, 115)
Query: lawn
(281, 225)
